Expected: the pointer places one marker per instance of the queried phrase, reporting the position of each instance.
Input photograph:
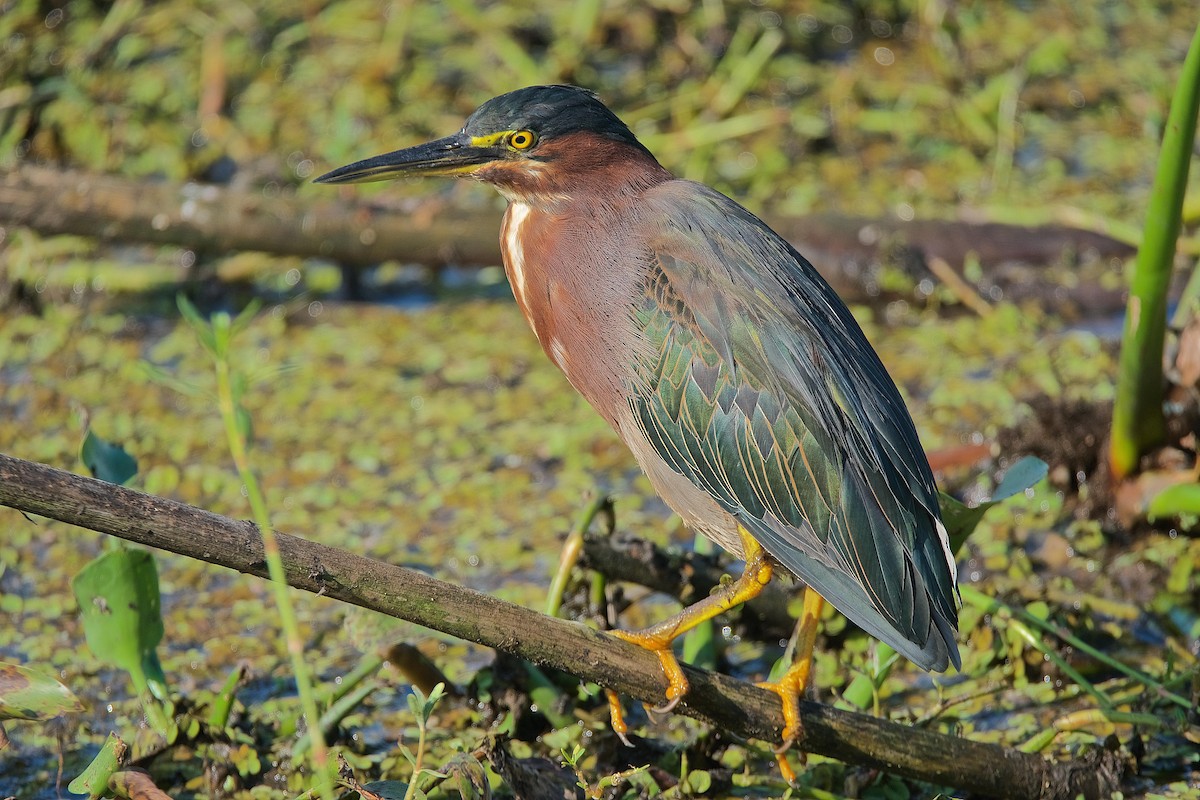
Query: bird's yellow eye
(522, 140)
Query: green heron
(736, 376)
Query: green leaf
(1020, 476)
(1038, 609)
(864, 688)
(245, 423)
(571, 759)
(161, 376)
(93, 781)
(388, 790)
(699, 781)
(199, 326)
(435, 697)
(106, 460)
(1175, 501)
(545, 694)
(222, 703)
(961, 520)
(416, 701)
(221, 326)
(122, 619)
(246, 316)
(26, 694)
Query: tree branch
(219, 219)
(726, 703)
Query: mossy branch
(726, 703)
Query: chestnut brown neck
(569, 227)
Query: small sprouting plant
(422, 708)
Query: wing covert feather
(760, 388)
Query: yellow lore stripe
(490, 139)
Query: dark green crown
(549, 111)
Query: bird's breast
(529, 243)
(574, 288)
(512, 247)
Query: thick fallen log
(315, 223)
(732, 705)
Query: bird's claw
(789, 740)
(617, 717)
(669, 706)
(786, 772)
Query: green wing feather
(761, 389)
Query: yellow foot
(794, 682)
(660, 645)
(658, 638)
(789, 689)
(677, 684)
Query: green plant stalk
(93, 781)
(700, 643)
(597, 598)
(279, 587)
(158, 716)
(1102, 700)
(572, 549)
(333, 715)
(1138, 422)
(991, 605)
(410, 792)
(222, 704)
(360, 673)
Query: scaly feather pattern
(759, 387)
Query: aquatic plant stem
(1111, 712)
(1138, 422)
(990, 605)
(418, 765)
(228, 406)
(572, 548)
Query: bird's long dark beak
(453, 155)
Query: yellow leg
(793, 683)
(658, 638)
